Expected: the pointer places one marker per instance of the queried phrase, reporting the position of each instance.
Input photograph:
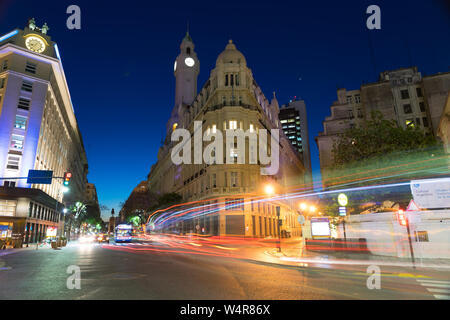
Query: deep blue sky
(119, 66)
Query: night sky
(119, 66)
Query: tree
(378, 137)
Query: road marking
(438, 290)
(441, 296)
(431, 286)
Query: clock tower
(186, 69)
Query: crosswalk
(440, 289)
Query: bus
(123, 233)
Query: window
(188, 50)
(422, 106)
(226, 80)
(24, 104)
(2, 83)
(404, 94)
(214, 128)
(407, 108)
(237, 79)
(234, 179)
(8, 207)
(224, 100)
(233, 124)
(231, 80)
(17, 141)
(357, 98)
(27, 86)
(13, 162)
(409, 123)
(30, 67)
(20, 123)
(5, 65)
(234, 204)
(425, 122)
(252, 127)
(11, 184)
(349, 99)
(419, 92)
(214, 178)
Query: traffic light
(402, 218)
(67, 177)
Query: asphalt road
(154, 271)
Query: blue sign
(40, 176)
(342, 211)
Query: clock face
(35, 44)
(189, 62)
(175, 66)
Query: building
(230, 99)
(38, 130)
(294, 123)
(91, 194)
(444, 126)
(402, 95)
(139, 201)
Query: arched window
(226, 80)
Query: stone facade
(230, 99)
(403, 95)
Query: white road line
(433, 281)
(436, 285)
(441, 296)
(438, 290)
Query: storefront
(27, 216)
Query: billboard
(431, 193)
(320, 227)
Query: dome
(231, 55)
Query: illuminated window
(214, 128)
(233, 124)
(21, 122)
(17, 141)
(252, 127)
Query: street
(158, 268)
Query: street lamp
(269, 189)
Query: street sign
(412, 206)
(342, 211)
(342, 199)
(40, 176)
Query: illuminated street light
(65, 189)
(65, 210)
(303, 206)
(269, 189)
(312, 208)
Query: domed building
(229, 100)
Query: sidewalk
(293, 251)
